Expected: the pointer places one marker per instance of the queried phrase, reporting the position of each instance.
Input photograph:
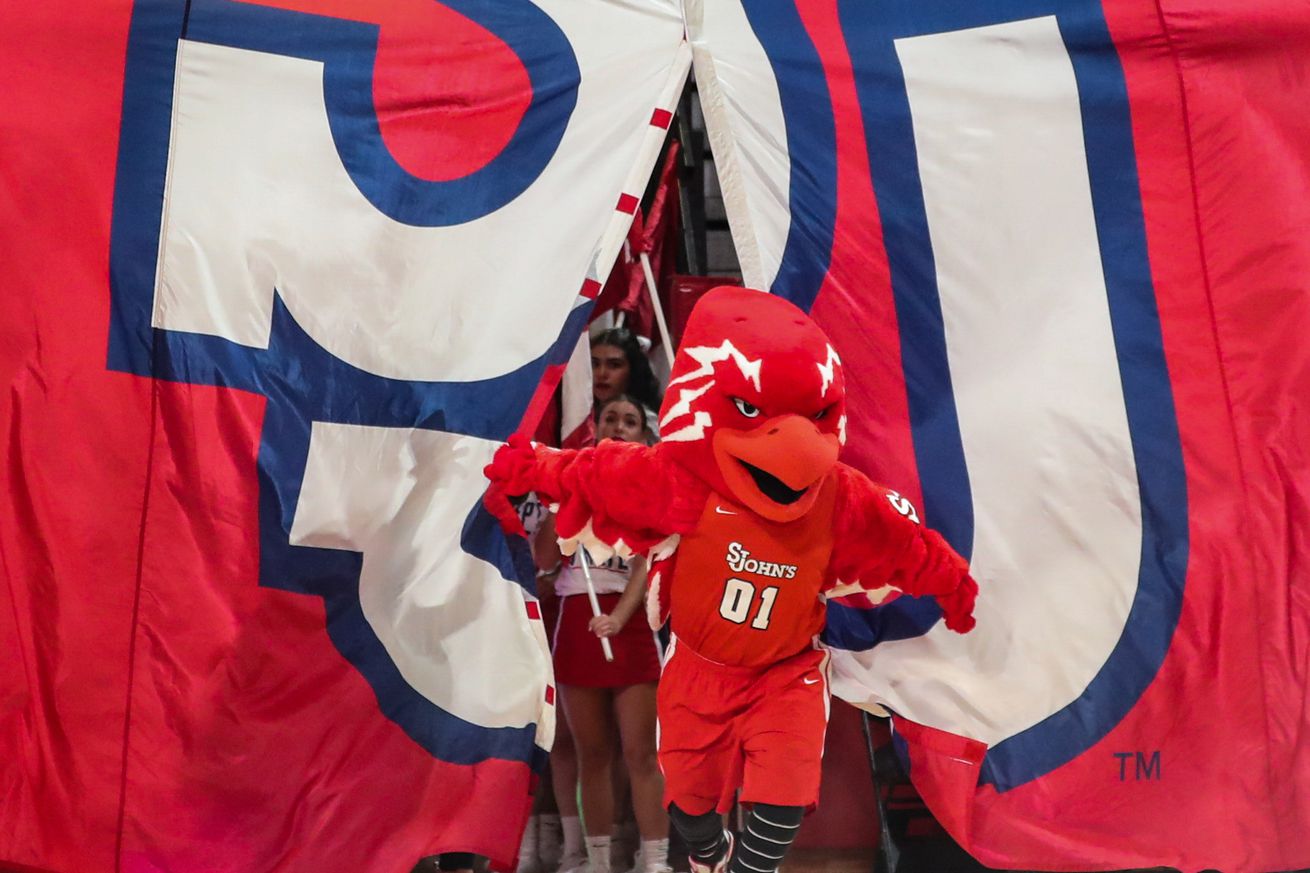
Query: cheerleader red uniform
(579, 658)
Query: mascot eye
(745, 408)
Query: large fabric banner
(278, 278)
(1062, 247)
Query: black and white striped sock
(768, 834)
(702, 834)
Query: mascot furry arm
(881, 547)
(752, 424)
(623, 498)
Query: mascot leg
(708, 844)
(769, 833)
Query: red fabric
(579, 658)
(943, 765)
(430, 143)
(659, 240)
(722, 727)
(547, 426)
(542, 417)
(855, 305)
(158, 709)
(684, 292)
(66, 654)
(618, 284)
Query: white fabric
(399, 496)
(576, 388)
(258, 199)
(744, 120)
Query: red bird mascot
(751, 524)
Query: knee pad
(700, 829)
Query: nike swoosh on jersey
(809, 681)
(721, 511)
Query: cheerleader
(603, 699)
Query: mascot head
(756, 405)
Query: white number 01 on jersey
(739, 595)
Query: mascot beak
(773, 469)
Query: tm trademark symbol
(1147, 767)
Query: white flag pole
(659, 310)
(591, 595)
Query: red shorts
(579, 659)
(722, 727)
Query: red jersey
(746, 591)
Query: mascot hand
(511, 473)
(957, 606)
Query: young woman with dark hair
(619, 366)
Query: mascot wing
(880, 546)
(622, 498)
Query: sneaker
(574, 863)
(550, 843)
(528, 860)
(624, 856)
(721, 866)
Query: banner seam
(134, 623)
